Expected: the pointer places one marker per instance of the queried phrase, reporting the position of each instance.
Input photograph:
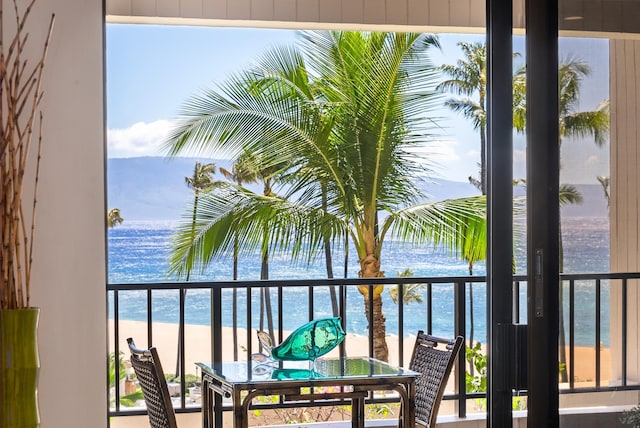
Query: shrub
(631, 417)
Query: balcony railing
(444, 311)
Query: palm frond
(231, 215)
(458, 225)
(469, 109)
(588, 124)
(569, 195)
(335, 118)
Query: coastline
(198, 347)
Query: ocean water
(139, 252)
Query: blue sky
(152, 70)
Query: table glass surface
(240, 372)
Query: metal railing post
(598, 331)
(460, 330)
(624, 331)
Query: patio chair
(146, 364)
(433, 357)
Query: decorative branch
(20, 96)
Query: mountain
(150, 188)
(154, 189)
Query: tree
(569, 195)
(266, 173)
(410, 292)
(572, 123)
(200, 181)
(343, 109)
(605, 182)
(328, 259)
(468, 79)
(241, 172)
(114, 218)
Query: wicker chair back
(146, 364)
(433, 357)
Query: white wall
(69, 261)
(625, 198)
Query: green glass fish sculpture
(310, 340)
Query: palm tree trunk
(471, 368)
(346, 255)
(370, 268)
(184, 292)
(483, 160)
(266, 293)
(561, 341)
(332, 288)
(328, 259)
(234, 305)
(262, 300)
(267, 297)
(380, 348)
(561, 333)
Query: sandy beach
(198, 347)
(198, 343)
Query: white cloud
(444, 161)
(592, 160)
(147, 139)
(140, 139)
(444, 151)
(519, 155)
(450, 164)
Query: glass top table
(295, 381)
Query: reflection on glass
(295, 374)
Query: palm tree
(410, 292)
(469, 78)
(344, 109)
(113, 217)
(266, 173)
(605, 183)
(200, 181)
(572, 123)
(569, 195)
(328, 259)
(241, 172)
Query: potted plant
(631, 417)
(20, 147)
